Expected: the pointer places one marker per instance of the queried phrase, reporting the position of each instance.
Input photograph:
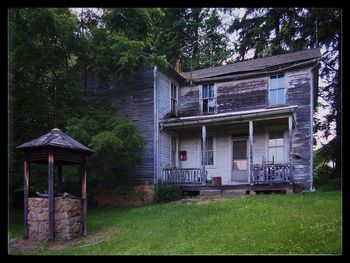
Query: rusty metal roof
(255, 64)
(55, 138)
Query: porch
(204, 148)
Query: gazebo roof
(55, 138)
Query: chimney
(178, 66)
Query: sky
(227, 20)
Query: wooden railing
(183, 175)
(271, 173)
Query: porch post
(84, 199)
(290, 129)
(51, 196)
(251, 168)
(26, 194)
(204, 135)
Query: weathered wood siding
(189, 101)
(242, 95)
(133, 96)
(298, 93)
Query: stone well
(68, 218)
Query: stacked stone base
(68, 218)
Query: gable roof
(55, 138)
(255, 64)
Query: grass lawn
(309, 223)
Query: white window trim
(177, 150)
(200, 151)
(201, 99)
(171, 81)
(285, 140)
(285, 90)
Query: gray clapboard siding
(133, 96)
(298, 93)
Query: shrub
(322, 173)
(167, 192)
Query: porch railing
(271, 173)
(183, 175)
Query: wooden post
(51, 197)
(251, 168)
(204, 135)
(290, 130)
(25, 196)
(59, 179)
(84, 200)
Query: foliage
(326, 153)
(167, 192)
(265, 224)
(322, 173)
(116, 143)
(195, 36)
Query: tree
(271, 31)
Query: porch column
(51, 196)
(251, 168)
(84, 199)
(290, 140)
(204, 135)
(25, 197)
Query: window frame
(214, 97)
(201, 152)
(277, 89)
(174, 99)
(173, 152)
(268, 147)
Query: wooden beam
(84, 200)
(290, 140)
(251, 140)
(59, 179)
(51, 196)
(204, 137)
(25, 196)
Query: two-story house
(248, 123)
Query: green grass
(309, 223)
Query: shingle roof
(55, 138)
(255, 64)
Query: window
(173, 98)
(277, 90)
(208, 154)
(208, 98)
(276, 147)
(173, 151)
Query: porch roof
(230, 117)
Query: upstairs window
(208, 154)
(173, 98)
(208, 98)
(277, 94)
(276, 147)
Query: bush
(167, 192)
(322, 173)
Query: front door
(239, 161)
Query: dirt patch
(202, 200)
(24, 246)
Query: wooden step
(210, 192)
(234, 193)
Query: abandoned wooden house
(246, 125)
